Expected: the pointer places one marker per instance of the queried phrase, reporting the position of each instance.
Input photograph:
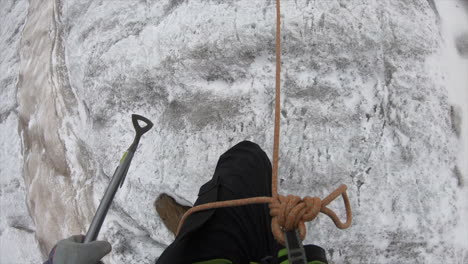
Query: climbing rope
(287, 212)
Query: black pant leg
(241, 234)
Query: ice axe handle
(296, 252)
(139, 130)
(117, 179)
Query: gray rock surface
(362, 105)
(18, 243)
(462, 45)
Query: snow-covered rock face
(364, 103)
(17, 230)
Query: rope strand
(287, 212)
(274, 187)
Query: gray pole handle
(106, 201)
(118, 178)
(296, 252)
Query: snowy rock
(12, 18)
(462, 45)
(18, 243)
(364, 103)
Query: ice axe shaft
(296, 252)
(117, 179)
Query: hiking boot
(170, 211)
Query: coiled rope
(287, 212)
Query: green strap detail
(225, 261)
(282, 252)
(214, 261)
(123, 157)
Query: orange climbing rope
(287, 212)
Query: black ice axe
(117, 179)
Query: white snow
(17, 230)
(367, 91)
(454, 21)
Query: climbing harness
(289, 213)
